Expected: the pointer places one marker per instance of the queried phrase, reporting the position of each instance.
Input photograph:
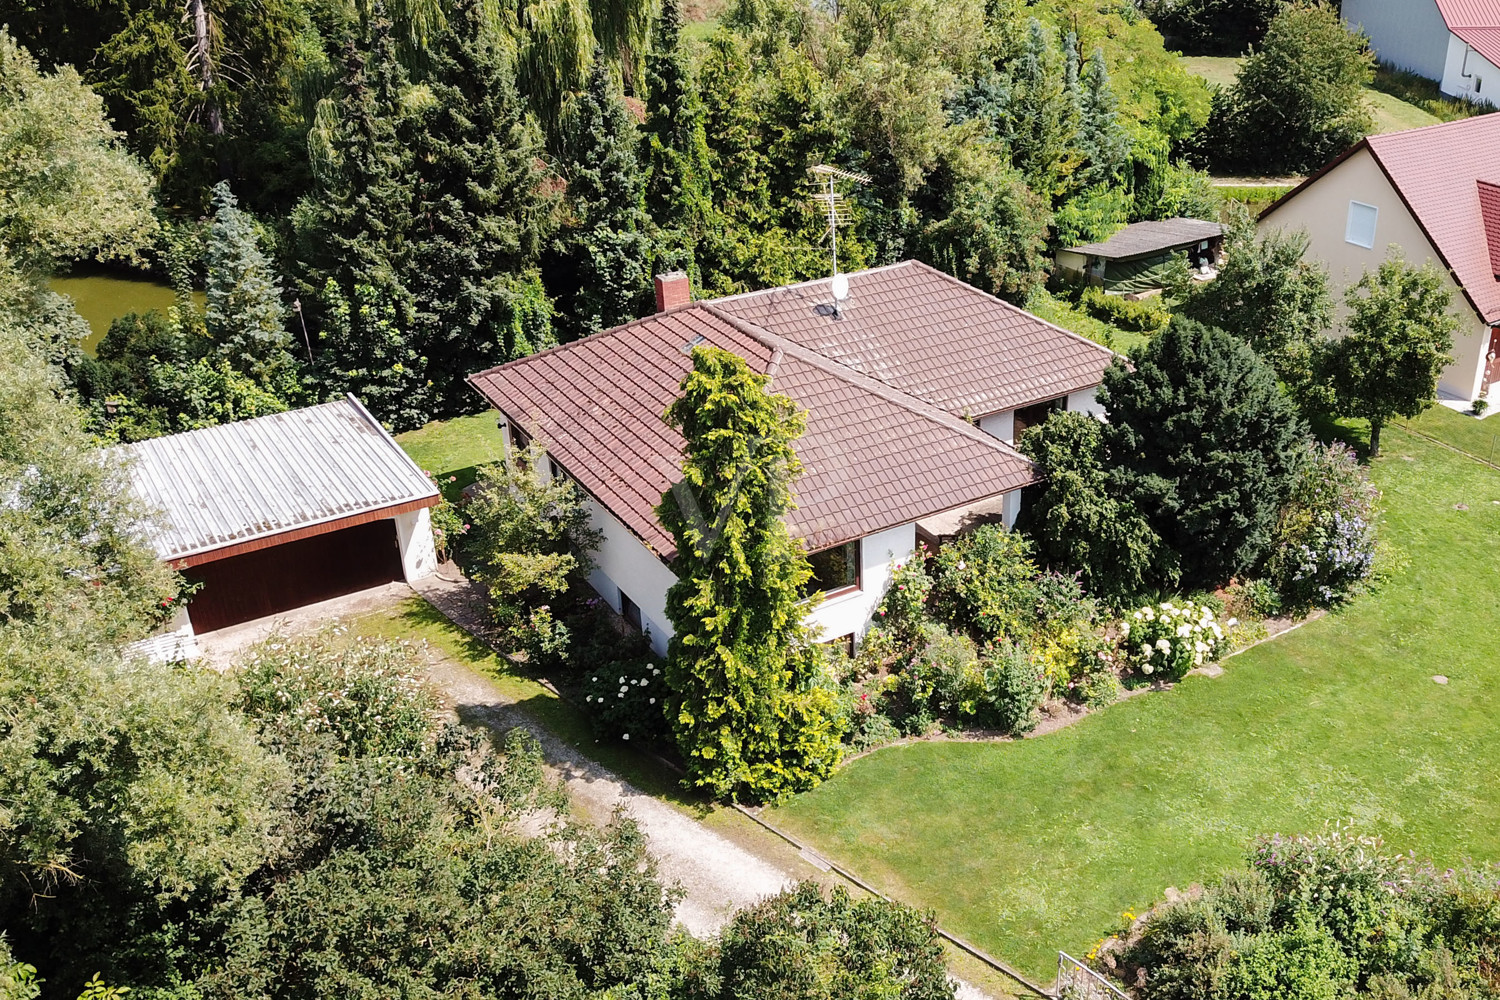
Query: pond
(102, 297)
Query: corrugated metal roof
(1141, 238)
(224, 485)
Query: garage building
(282, 511)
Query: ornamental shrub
(1013, 689)
(1325, 540)
(984, 582)
(1204, 442)
(626, 697)
(1141, 316)
(903, 610)
(1167, 640)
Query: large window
(834, 569)
(1361, 227)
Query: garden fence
(1076, 981)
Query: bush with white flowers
(1167, 640)
(626, 699)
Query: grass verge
(1031, 846)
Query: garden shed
(1140, 256)
(282, 511)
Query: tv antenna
(835, 207)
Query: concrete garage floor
(222, 647)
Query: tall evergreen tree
(677, 177)
(352, 242)
(1205, 443)
(752, 718)
(1103, 143)
(244, 313)
(602, 274)
(1041, 119)
(479, 213)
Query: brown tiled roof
(873, 457)
(1436, 172)
(930, 336)
(1140, 239)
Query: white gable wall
(1469, 75)
(1323, 210)
(1407, 34)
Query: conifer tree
(605, 259)
(752, 716)
(1041, 120)
(352, 235)
(244, 312)
(479, 212)
(677, 177)
(1103, 143)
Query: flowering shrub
(903, 610)
(543, 638)
(986, 583)
(362, 693)
(1167, 640)
(448, 524)
(1013, 689)
(1325, 538)
(626, 699)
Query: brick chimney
(673, 289)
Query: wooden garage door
(282, 577)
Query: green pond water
(104, 297)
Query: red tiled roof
(1489, 211)
(1436, 171)
(931, 336)
(1485, 41)
(873, 457)
(1470, 13)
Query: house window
(556, 471)
(630, 611)
(1037, 413)
(835, 569)
(519, 441)
(1361, 228)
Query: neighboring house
(915, 387)
(281, 511)
(1140, 257)
(1455, 42)
(1432, 191)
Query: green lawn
(1032, 846)
(1391, 113)
(1480, 438)
(455, 448)
(1061, 312)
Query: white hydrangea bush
(1167, 640)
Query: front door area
(1491, 363)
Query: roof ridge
(804, 284)
(923, 409)
(596, 335)
(1030, 315)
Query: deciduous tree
(1399, 334)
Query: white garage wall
(414, 535)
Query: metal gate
(1076, 981)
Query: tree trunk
(1375, 437)
(202, 50)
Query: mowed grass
(1032, 846)
(1480, 438)
(1391, 114)
(455, 448)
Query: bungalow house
(1455, 42)
(279, 512)
(1139, 257)
(915, 386)
(1433, 191)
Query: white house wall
(623, 563)
(1407, 34)
(418, 553)
(850, 612)
(1000, 425)
(1086, 401)
(1467, 74)
(1322, 209)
